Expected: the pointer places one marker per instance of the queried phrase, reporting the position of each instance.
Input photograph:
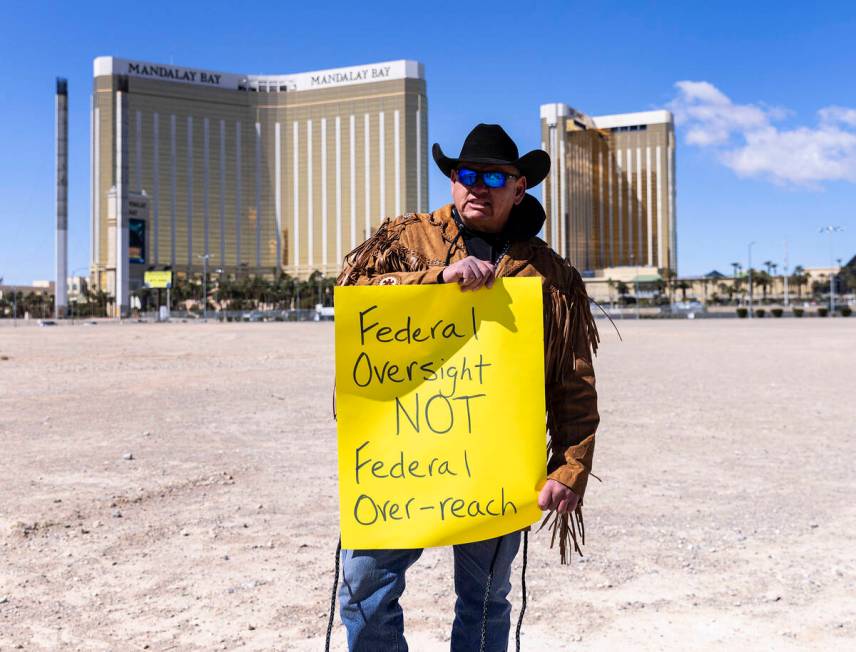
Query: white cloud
(746, 139)
(838, 114)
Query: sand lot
(725, 520)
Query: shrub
(777, 312)
(798, 312)
(822, 312)
(760, 312)
(742, 312)
(846, 311)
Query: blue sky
(766, 145)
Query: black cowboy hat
(489, 144)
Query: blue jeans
(373, 581)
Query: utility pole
(785, 276)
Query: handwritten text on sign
(440, 401)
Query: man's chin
(478, 215)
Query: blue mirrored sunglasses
(490, 178)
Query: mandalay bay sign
(315, 80)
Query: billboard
(158, 279)
(136, 241)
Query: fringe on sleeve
(570, 529)
(568, 323)
(569, 331)
(382, 253)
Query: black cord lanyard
(462, 229)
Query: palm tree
(847, 277)
(610, 283)
(282, 289)
(181, 290)
(622, 291)
(799, 278)
(683, 286)
(771, 272)
(29, 303)
(670, 276)
(725, 288)
(751, 281)
(763, 279)
(315, 286)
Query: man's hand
(470, 273)
(556, 496)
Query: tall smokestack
(60, 287)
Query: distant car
(687, 306)
(47, 322)
(688, 309)
(255, 315)
(323, 312)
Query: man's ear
(519, 190)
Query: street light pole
(832, 273)
(749, 268)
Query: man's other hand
(470, 273)
(556, 496)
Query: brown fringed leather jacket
(414, 248)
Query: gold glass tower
(610, 194)
(249, 173)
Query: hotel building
(610, 194)
(248, 173)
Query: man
(487, 232)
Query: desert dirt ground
(725, 518)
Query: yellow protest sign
(440, 405)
